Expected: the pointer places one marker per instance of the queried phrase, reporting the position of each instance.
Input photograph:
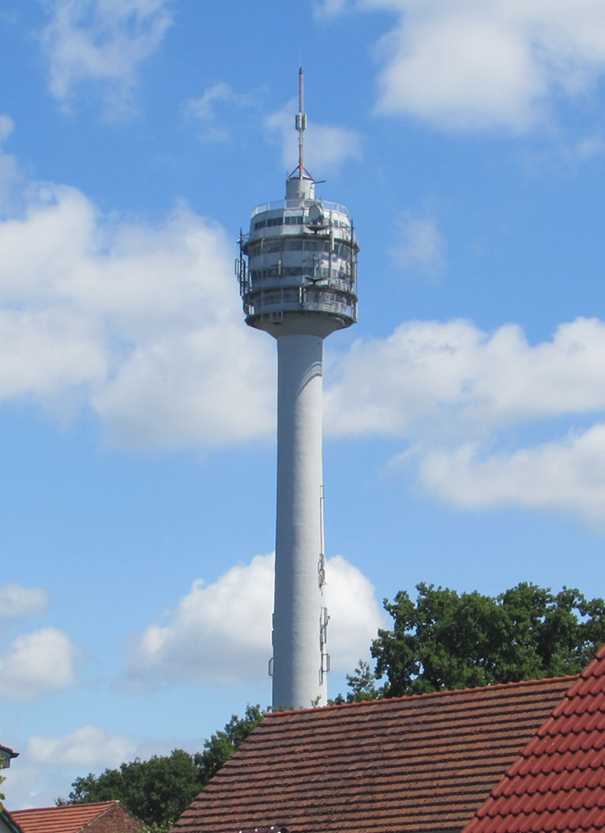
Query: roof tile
(371, 767)
(558, 782)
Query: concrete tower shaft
(300, 613)
(297, 272)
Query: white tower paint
(299, 285)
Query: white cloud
(49, 764)
(37, 663)
(206, 111)
(33, 786)
(564, 476)
(22, 601)
(142, 324)
(587, 148)
(479, 65)
(420, 244)
(433, 380)
(327, 8)
(88, 746)
(454, 393)
(103, 41)
(355, 615)
(326, 147)
(220, 634)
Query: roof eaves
(4, 814)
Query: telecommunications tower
(299, 285)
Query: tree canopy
(447, 640)
(160, 789)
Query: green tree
(363, 685)
(160, 789)
(447, 640)
(156, 790)
(222, 744)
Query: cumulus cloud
(104, 41)
(452, 392)
(469, 65)
(355, 615)
(326, 146)
(142, 324)
(220, 633)
(429, 378)
(22, 601)
(37, 663)
(419, 243)
(88, 746)
(564, 476)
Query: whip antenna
(301, 123)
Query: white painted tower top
(301, 274)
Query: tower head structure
(297, 273)
(301, 274)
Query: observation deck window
(341, 249)
(310, 271)
(271, 221)
(297, 220)
(297, 244)
(271, 245)
(317, 246)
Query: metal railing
(283, 204)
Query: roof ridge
(427, 695)
(55, 807)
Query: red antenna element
(301, 123)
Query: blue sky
(464, 413)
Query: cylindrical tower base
(299, 617)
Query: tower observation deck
(297, 273)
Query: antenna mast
(301, 124)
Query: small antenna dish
(316, 215)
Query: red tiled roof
(558, 781)
(408, 764)
(102, 817)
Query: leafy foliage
(160, 789)
(362, 684)
(223, 744)
(446, 640)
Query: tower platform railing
(276, 205)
